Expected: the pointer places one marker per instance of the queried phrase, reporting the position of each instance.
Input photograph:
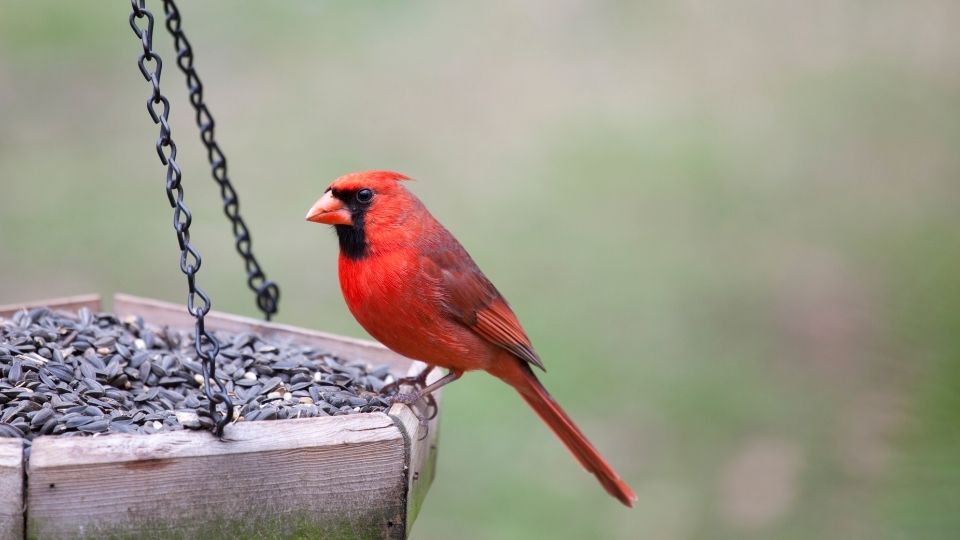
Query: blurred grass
(729, 229)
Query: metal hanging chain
(205, 343)
(267, 292)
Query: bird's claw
(411, 399)
(392, 394)
(432, 408)
(424, 419)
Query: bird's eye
(365, 195)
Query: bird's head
(359, 202)
(350, 197)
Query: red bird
(414, 288)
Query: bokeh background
(730, 228)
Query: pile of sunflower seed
(91, 373)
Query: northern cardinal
(414, 288)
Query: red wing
(471, 299)
(498, 324)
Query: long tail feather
(521, 377)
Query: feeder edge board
(306, 477)
(422, 447)
(69, 303)
(11, 489)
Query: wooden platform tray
(354, 476)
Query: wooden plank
(11, 489)
(70, 303)
(421, 446)
(158, 312)
(333, 477)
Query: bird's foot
(424, 415)
(418, 383)
(405, 398)
(421, 391)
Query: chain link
(198, 303)
(267, 292)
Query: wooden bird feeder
(361, 475)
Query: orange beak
(330, 210)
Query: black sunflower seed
(76, 375)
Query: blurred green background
(730, 228)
